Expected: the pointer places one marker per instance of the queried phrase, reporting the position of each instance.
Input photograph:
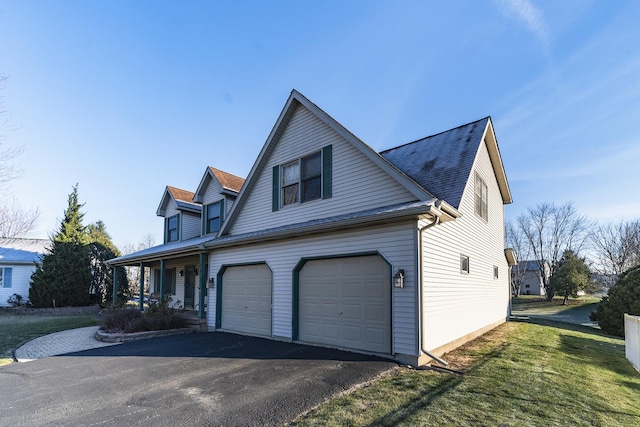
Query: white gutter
(435, 222)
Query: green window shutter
(327, 175)
(276, 189)
(166, 230)
(6, 277)
(204, 219)
(222, 212)
(179, 226)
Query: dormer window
(213, 217)
(172, 233)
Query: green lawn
(519, 374)
(16, 330)
(535, 304)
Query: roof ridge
(225, 172)
(434, 135)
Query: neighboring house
(532, 279)
(19, 258)
(398, 253)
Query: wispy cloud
(530, 16)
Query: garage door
(246, 300)
(346, 302)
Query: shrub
(118, 319)
(17, 300)
(624, 297)
(156, 317)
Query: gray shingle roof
(441, 163)
(22, 251)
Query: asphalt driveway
(193, 379)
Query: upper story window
(172, 233)
(213, 217)
(481, 198)
(304, 179)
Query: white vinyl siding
(396, 243)
(20, 282)
(451, 298)
(212, 192)
(178, 298)
(357, 182)
(190, 225)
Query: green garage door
(346, 303)
(246, 300)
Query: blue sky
(126, 97)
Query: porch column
(115, 285)
(163, 279)
(141, 303)
(203, 285)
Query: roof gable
(295, 100)
(182, 198)
(442, 163)
(228, 182)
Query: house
(328, 242)
(19, 259)
(530, 278)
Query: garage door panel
(246, 300)
(345, 302)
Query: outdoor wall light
(195, 271)
(181, 273)
(398, 278)
(211, 282)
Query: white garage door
(346, 302)
(246, 300)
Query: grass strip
(519, 374)
(16, 330)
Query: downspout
(435, 222)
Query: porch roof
(197, 245)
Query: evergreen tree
(64, 276)
(623, 297)
(101, 249)
(75, 272)
(572, 276)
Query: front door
(189, 286)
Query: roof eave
(346, 224)
(496, 161)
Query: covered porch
(166, 272)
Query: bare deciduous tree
(133, 273)
(550, 230)
(516, 240)
(14, 221)
(616, 247)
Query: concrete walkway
(60, 343)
